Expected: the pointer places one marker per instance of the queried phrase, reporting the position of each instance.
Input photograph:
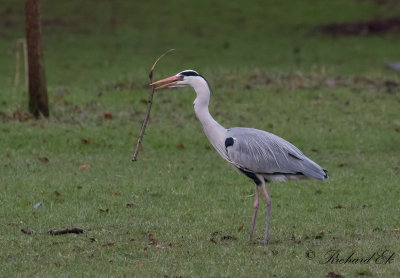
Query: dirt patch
(362, 28)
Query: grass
(189, 213)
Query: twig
(149, 103)
(66, 231)
(28, 231)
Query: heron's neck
(215, 132)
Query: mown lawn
(180, 211)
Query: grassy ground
(180, 211)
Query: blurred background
(94, 41)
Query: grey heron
(260, 155)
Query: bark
(38, 102)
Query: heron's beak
(170, 81)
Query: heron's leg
(253, 221)
(269, 203)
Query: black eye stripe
(189, 73)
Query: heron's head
(183, 79)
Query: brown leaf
(79, 187)
(85, 167)
(144, 101)
(139, 265)
(108, 244)
(314, 150)
(342, 165)
(85, 141)
(213, 240)
(57, 193)
(338, 207)
(271, 126)
(43, 159)
(180, 145)
(396, 230)
(108, 116)
(102, 210)
(130, 205)
(207, 147)
(240, 228)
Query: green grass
(188, 205)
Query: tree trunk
(38, 102)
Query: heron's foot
(265, 241)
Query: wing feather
(265, 153)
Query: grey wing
(265, 153)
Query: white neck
(215, 132)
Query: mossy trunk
(38, 102)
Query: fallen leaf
(130, 205)
(318, 192)
(144, 101)
(314, 150)
(85, 167)
(79, 187)
(57, 193)
(43, 159)
(240, 228)
(102, 210)
(108, 244)
(132, 239)
(213, 240)
(396, 230)
(108, 116)
(342, 165)
(338, 207)
(180, 145)
(85, 141)
(271, 126)
(111, 261)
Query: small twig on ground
(66, 231)
(54, 232)
(28, 231)
(149, 103)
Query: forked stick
(149, 103)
